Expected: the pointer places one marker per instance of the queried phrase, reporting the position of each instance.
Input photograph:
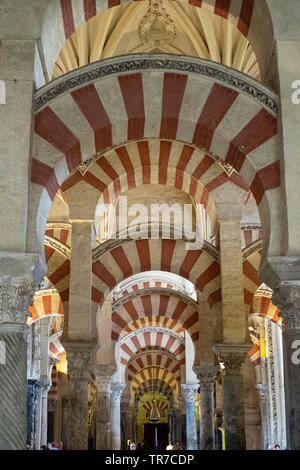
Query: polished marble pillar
(189, 394)
(116, 390)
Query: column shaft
(103, 421)
(287, 298)
(234, 412)
(233, 356)
(15, 297)
(13, 389)
(262, 391)
(115, 416)
(79, 367)
(190, 391)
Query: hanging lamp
(154, 415)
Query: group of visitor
(176, 446)
(145, 446)
(53, 446)
(274, 447)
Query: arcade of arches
(141, 104)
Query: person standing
(132, 445)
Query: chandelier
(154, 415)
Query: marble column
(65, 403)
(134, 421)
(125, 404)
(172, 425)
(79, 357)
(15, 297)
(103, 376)
(33, 391)
(116, 390)
(233, 356)
(189, 393)
(263, 395)
(178, 429)
(128, 430)
(45, 375)
(287, 298)
(206, 375)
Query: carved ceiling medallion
(157, 26)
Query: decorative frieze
(137, 62)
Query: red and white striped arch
(162, 322)
(158, 385)
(154, 358)
(187, 108)
(251, 280)
(58, 268)
(150, 305)
(262, 306)
(156, 161)
(251, 235)
(46, 302)
(60, 232)
(63, 17)
(147, 337)
(134, 256)
(139, 285)
(254, 355)
(151, 373)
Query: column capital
(233, 356)
(116, 390)
(287, 298)
(103, 375)
(79, 357)
(189, 392)
(206, 374)
(16, 296)
(262, 391)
